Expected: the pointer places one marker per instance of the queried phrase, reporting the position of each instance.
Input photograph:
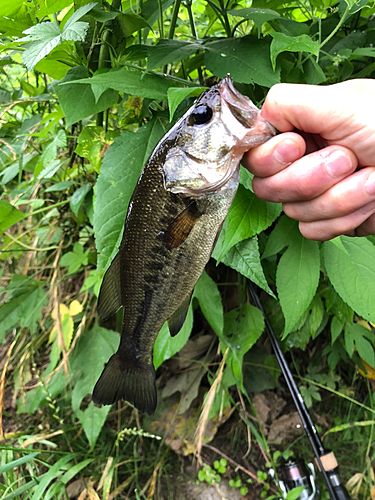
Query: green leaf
(247, 217)
(242, 328)
(51, 6)
(166, 346)
(297, 279)
(78, 198)
(76, 259)
(246, 59)
(44, 37)
(88, 359)
(336, 328)
(292, 28)
(122, 165)
(55, 471)
(259, 16)
(90, 143)
(354, 6)
(208, 296)
(245, 259)
(72, 21)
(9, 7)
(133, 82)
(356, 334)
(24, 310)
(177, 94)
(352, 273)
(295, 493)
(168, 51)
(313, 72)
(78, 101)
(9, 215)
(284, 43)
(285, 231)
(18, 462)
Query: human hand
(313, 172)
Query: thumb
(341, 113)
(309, 108)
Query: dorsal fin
(110, 299)
(180, 228)
(177, 319)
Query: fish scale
(174, 217)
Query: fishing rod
(326, 460)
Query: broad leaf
(169, 51)
(44, 37)
(166, 346)
(78, 101)
(208, 296)
(91, 141)
(352, 273)
(242, 328)
(24, 309)
(362, 339)
(297, 279)
(259, 16)
(176, 95)
(78, 197)
(246, 59)
(119, 173)
(284, 43)
(131, 81)
(9, 7)
(245, 258)
(285, 231)
(89, 357)
(247, 217)
(9, 215)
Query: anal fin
(177, 319)
(181, 227)
(110, 300)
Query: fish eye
(201, 115)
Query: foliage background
(87, 90)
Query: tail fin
(131, 382)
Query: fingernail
(286, 152)
(337, 164)
(370, 184)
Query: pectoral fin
(181, 227)
(110, 300)
(177, 319)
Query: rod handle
(330, 465)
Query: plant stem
(139, 10)
(103, 63)
(339, 24)
(161, 20)
(172, 27)
(189, 9)
(228, 31)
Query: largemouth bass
(174, 218)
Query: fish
(172, 224)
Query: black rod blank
(335, 487)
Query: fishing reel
(294, 473)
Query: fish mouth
(253, 129)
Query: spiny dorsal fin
(110, 300)
(177, 319)
(180, 228)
